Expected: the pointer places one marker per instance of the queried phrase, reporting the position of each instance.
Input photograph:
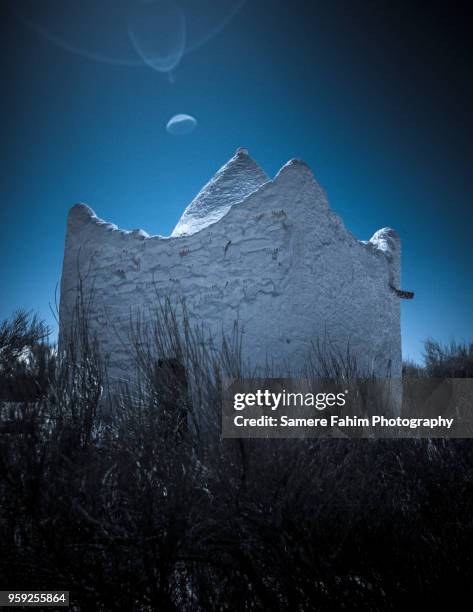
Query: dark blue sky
(374, 96)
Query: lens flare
(158, 33)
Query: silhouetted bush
(129, 498)
(448, 361)
(27, 361)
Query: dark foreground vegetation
(132, 501)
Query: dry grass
(132, 501)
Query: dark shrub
(448, 361)
(130, 499)
(27, 361)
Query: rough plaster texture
(232, 183)
(268, 253)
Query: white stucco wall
(268, 253)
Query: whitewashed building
(268, 253)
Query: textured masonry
(269, 254)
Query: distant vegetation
(454, 360)
(27, 361)
(132, 501)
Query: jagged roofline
(385, 240)
(83, 212)
(232, 183)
